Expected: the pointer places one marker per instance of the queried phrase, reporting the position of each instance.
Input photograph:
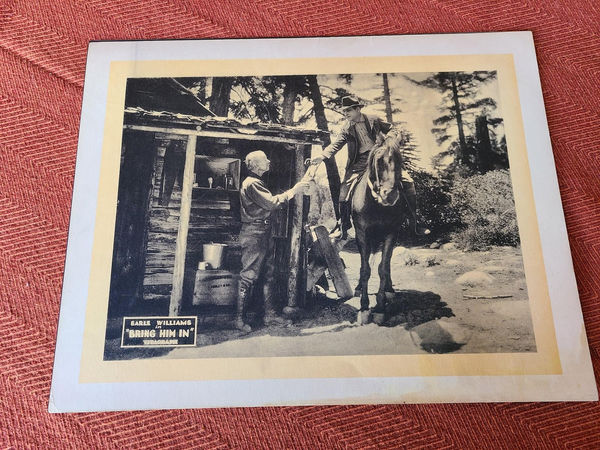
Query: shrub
(431, 261)
(486, 210)
(411, 260)
(434, 207)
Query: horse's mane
(394, 141)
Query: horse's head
(385, 168)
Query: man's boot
(271, 317)
(411, 198)
(345, 212)
(344, 224)
(240, 323)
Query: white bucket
(214, 254)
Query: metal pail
(214, 254)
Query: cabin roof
(166, 94)
(179, 123)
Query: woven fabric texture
(42, 62)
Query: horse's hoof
(363, 317)
(378, 318)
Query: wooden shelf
(201, 188)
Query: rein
(374, 191)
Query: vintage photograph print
(317, 221)
(316, 215)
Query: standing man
(362, 133)
(257, 204)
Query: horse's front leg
(360, 238)
(365, 270)
(385, 280)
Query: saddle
(352, 182)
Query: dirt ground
(430, 312)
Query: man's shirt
(365, 143)
(256, 200)
(349, 135)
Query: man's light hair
(252, 158)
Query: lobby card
(317, 221)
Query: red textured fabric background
(42, 60)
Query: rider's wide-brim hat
(350, 102)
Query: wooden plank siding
(213, 217)
(163, 222)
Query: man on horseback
(362, 133)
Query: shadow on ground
(407, 308)
(413, 308)
(328, 314)
(419, 312)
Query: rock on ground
(448, 246)
(475, 278)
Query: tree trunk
(461, 134)
(202, 90)
(219, 99)
(485, 155)
(332, 171)
(290, 91)
(386, 95)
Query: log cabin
(179, 190)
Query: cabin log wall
(214, 217)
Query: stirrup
(347, 235)
(421, 231)
(336, 232)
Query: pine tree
(459, 101)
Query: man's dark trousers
(257, 259)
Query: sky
(418, 106)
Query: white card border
(67, 394)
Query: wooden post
(303, 260)
(296, 236)
(184, 223)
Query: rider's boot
(411, 198)
(344, 223)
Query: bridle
(374, 190)
(375, 187)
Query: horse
(378, 211)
